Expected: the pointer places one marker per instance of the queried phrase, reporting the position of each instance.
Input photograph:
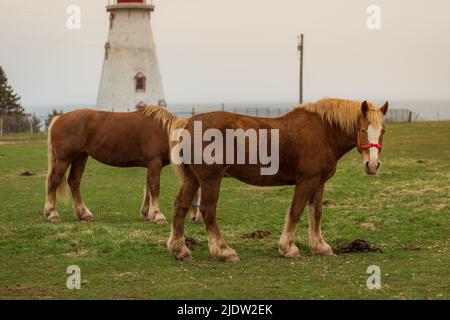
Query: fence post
(193, 111)
(1, 126)
(30, 122)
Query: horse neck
(341, 141)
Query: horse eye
(363, 130)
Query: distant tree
(9, 101)
(50, 116)
(35, 122)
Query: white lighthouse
(130, 77)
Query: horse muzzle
(370, 168)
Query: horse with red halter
(116, 139)
(312, 139)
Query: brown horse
(312, 138)
(116, 139)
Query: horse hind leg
(154, 214)
(216, 244)
(195, 213)
(55, 182)
(183, 201)
(82, 213)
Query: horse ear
(364, 108)
(385, 108)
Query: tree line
(13, 117)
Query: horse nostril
(378, 166)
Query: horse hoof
(232, 258)
(159, 219)
(227, 255)
(85, 215)
(187, 257)
(323, 250)
(53, 217)
(87, 218)
(183, 254)
(292, 252)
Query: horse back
(117, 139)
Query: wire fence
(36, 123)
(393, 115)
(19, 123)
(256, 112)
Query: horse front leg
(317, 244)
(302, 194)
(154, 214)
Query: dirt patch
(22, 291)
(328, 203)
(26, 174)
(357, 246)
(257, 234)
(191, 243)
(412, 247)
(76, 253)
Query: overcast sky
(238, 50)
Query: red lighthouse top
(130, 1)
(130, 4)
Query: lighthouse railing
(114, 2)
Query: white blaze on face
(373, 135)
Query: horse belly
(118, 155)
(252, 175)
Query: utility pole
(300, 48)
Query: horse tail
(61, 190)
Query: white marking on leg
(287, 246)
(316, 242)
(154, 213)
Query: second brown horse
(116, 139)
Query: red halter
(371, 145)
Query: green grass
(122, 257)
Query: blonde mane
(343, 113)
(164, 118)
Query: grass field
(404, 211)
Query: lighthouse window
(140, 82)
